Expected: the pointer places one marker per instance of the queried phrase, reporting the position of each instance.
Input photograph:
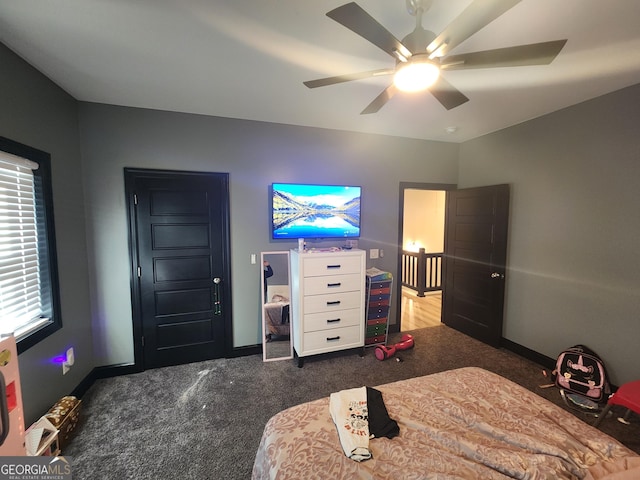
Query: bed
(460, 424)
(276, 316)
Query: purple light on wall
(59, 359)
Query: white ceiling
(247, 59)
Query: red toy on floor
(383, 352)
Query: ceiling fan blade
(352, 16)
(380, 100)
(475, 17)
(448, 95)
(522, 55)
(323, 82)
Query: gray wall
(574, 267)
(255, 154)
(35, 112)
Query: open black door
(475, 253)
(179, 237)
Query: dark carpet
(204, 420)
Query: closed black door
(475, 253)
(180, 266)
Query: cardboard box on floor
(41, 439)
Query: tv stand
(327, 301)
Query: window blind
(20, 295)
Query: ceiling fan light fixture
(416, 76)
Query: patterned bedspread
(460, 424)
(276, 322)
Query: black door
(475, 253)
(179, 229)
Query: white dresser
(327, 301)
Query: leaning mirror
(275, 293)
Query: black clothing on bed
(380, 424)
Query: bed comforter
(276, 322)
(460, 424)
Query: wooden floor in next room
(420, 312)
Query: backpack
(580, 371)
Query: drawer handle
(331, 339)
(336, 302)
(334, 266)
(333, 284)
(333, 320)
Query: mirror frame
(263, 289)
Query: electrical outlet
(70, 359)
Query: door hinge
(139, 272)
(135, 199)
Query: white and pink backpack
(580, 371)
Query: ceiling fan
(422, 56)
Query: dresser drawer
(377, 339)
(314, 267)
(375, 330)
(380, 291)
(384, 285)
(374, 312)
(332, 284)
(377, 321)
(328, 320)
(332, 302)
(330, 340)
(379, 298)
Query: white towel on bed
(349, 412)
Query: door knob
(497, 275)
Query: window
(29, 298)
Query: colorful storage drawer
(378, 302)
(376, 330)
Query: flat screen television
(315, 211)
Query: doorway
(421, 245)
(180, 274)
(473, 261)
